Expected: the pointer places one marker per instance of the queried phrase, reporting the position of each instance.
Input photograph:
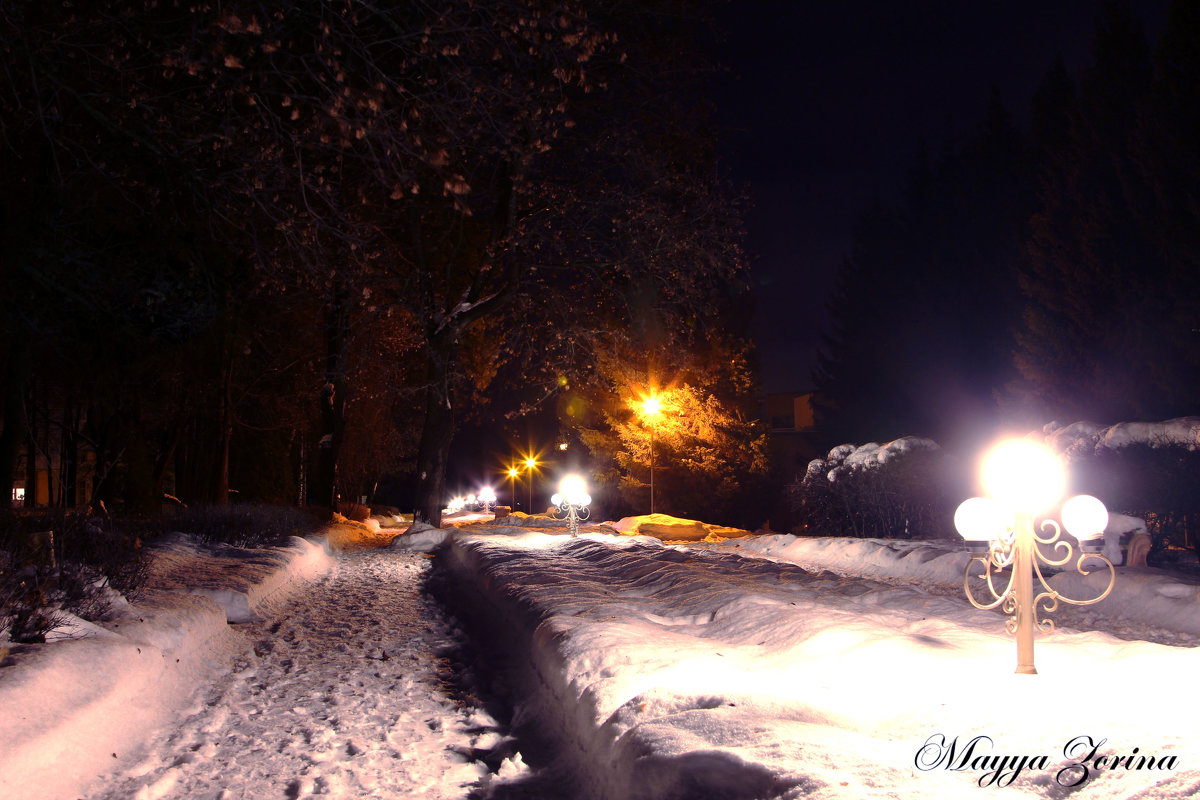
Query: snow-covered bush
(905, 489)
(355, 512)
(248, 525)
(1160, 484)
(64, 561)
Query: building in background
(791, 444)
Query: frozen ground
(765, 667)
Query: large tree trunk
(70, 455)
(31, 471)
(165, 458)
(437, 432)
(323, 490)
(220, 482)
(15, 422)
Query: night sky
(822, 108)
(825, 106)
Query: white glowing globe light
(486, 495)
(470, 499)
(1023, 476)
(1084, 517)
(979, 519)
(556, 499)
(573, 489)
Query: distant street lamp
(572, 499)
(530, 465)
(651, 409)
(1022, 480)
(487, 496)
(512, 479)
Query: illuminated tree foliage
(710, 458)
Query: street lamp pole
(1023, 570)
(1022, 480)
(651, 465)
(651, 408)
(530, 463)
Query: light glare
(572, 489)
(1023, 476)
(978, 519)
(1084, 517)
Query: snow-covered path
(339, 694)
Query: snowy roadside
(77, 707)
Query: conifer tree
(1088, 337)
(924, 305)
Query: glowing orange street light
(512, 479)
(530, 465)
(651, 409)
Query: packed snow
(633, 668)
(340, 693)
(1080, 438)
(1076, 440)
(848, 457)
(728, 670)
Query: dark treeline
(286, 250)
(1035, 275)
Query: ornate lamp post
(1022, 480)
(651, 408)
(572, 499)
(487, 496)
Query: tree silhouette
(924, 304)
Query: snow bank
(668, 671)
(243, 581)
(682, 671)
(1142, 597)
(674, 529)
(938, 563)
(519, 519)
(420, 537)
(74, 708)
(1081, 438)
(848, 457)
